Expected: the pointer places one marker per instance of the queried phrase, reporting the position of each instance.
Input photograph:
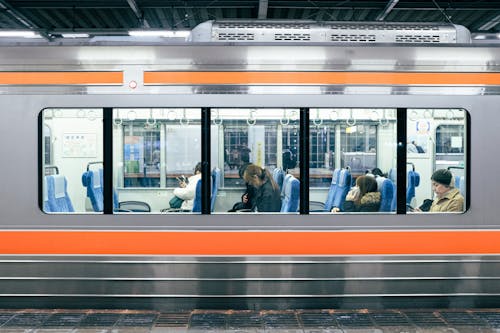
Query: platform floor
(307, 321)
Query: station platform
(307, 321)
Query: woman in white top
(187, 189)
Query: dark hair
(366, 184)
(264, 175)
(442, 176)
(377, 172)
(197, 168)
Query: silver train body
(40, 266)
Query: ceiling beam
(263, 6)
(138, 13)
(390, 5)
(23, 19)
(490, 24)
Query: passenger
(420, 150)
(246, 198)
(379, 176)
(448, 198)
(267, 197)
(187, 188)
(411, 148)
(364, 197)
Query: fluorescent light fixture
(75, 35)
(159, 33)
(18, 33)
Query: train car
(98, 137)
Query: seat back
(393, 176)
(197, 198)
(413, 182)
(135, 206)
(58, 199)
(91, 179)
(279, 177)
(290, 194)
(331, 191)
(215, 187)
(460, 184)
(46, 207)
(343, 186)
(386, 195)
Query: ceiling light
(18, 33)
(75, 35)
(159, 33)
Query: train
(104, 130)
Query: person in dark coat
(364, 197)
(267, 196)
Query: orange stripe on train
(61, 78)
(319, 78)
(249, 242)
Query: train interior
(155, 147)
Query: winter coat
(370, 202)
(266, 199)
(452, 201)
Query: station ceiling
(117, 17)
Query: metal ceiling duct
(260, 31)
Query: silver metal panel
(328, 32)
(307, 278)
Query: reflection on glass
(72, 163)
(346, 144)
(267, 138)
(436, 160)
(156, 149)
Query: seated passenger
(448, 198)
(245, 203)
(378, 175)
(187, 188)
(364, 197)
(267, 196)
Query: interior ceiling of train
(52, 19)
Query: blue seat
(290, 194)
(460, 184)
(215, 187)
(386, 195)
(58, 200)
(279, 177)
(91, 179)
(343, 186)
(393, 176)
(331, 191)
(197, 198)
(413, 182)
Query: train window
(156, 159)
(266, 138)
(436, 160)
(346, 144)
(72, 164)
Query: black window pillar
(206, 179)
(304, 161)
(107, 121)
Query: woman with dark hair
(364, 197)
(267, 196)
